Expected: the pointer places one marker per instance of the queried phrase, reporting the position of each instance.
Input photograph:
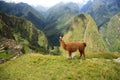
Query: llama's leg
(80, 53)
(84, 54)
(70, 54)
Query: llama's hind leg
(70, 54)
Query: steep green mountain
(84, 29)
(111, 33)
(58, 20)
(21, 32)
(101, 10)
(23, 10)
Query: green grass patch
(103, 55)
(5, 55)
(47, 67)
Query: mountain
(23, 10)
(84, 29)
(111, 33)
(20, 32)
(60, 9)
(59, 17)
(101, 10)
(42, 10)
(58, 20)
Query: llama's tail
(84, 44)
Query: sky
(45, 3)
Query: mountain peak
(84, 29)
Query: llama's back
(75, 45)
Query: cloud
(45, 3)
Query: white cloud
(46, 3)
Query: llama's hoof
(84, 58)
(69, 57)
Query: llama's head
(62, 43)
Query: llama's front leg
(84, 54)
(80, 53)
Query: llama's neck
(63, 44)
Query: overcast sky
(45, 3)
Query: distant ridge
(111, 33)
(23, 10)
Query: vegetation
(41, 67)
(21, 32)
(110, 33)
(5, 55)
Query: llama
(73, 46)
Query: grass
(47, 67)
(103, 55)
(5, 55)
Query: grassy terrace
(47, 67)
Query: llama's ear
(60, 37)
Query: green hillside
(20, 35)
(111, 33)
(84, 29)
(46, 67)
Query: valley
(85, 23)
